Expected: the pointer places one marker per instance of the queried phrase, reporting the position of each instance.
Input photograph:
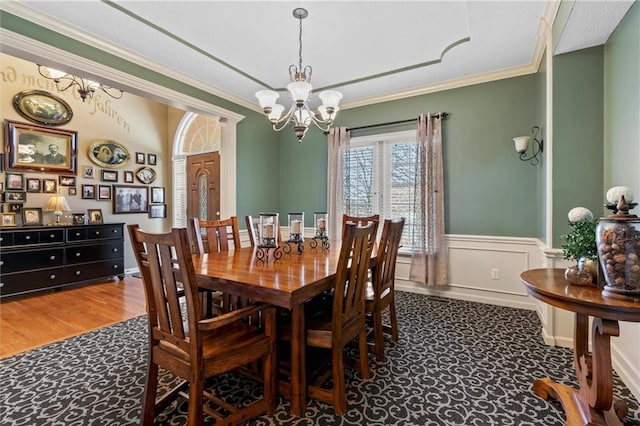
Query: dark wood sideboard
(45, 257)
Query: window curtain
(428, 259)
(337, 140)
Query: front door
(203, 186)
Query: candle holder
(268, 240)
(296, 232)
(321, 220)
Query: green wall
(488, 190)
(578, 133)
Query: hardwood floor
(34, 320)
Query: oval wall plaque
(42, 107)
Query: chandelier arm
(284, 122)
(106, 89)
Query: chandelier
(299, 114)
(86, 88)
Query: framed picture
(1, 186)
(67, 180)
(146, 175)
(104, 192)
(95, 216)
(88, 172)
(32, 216)
(77, 218)
(15, 197)
(8, 219)
(108, 154)
(1, 162)
(158, 211)
(128, 177)
(49, 186)
(34, 185)
(109, 176)
(73, 190)
(88, 192)
(157, 194)
(151, 159)
(15, 208)
(130, 199)
(139, 157)
(42, 107)
(14, 181)
(41, 149)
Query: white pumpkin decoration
(578, 214)
(614, 194)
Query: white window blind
(380, 177)
(180, 192)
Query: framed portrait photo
(15, 197)
(14, 181)
(88, 172)
(109, 175)
(67, 180)
(95, 216)
(128, 176)
(41, 149)
(157, 194)
(32, 216)
(8, 219)
(140, 157)
(34, 185)
(152, 159)
(130, 199)
(42, 107)
(108, 154)
(49, 186)
(73, 190)
(104, 192)
(158, 211)
(88, 192)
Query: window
(380, 176)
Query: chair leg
(378, 337)
(270, 367)
(364, 354)
(394, 320)
(150, 389)
(196, 395)
(339, 391)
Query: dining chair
(380, 292)
(206, 236)
(359, 220)
(216, 235)
(334, 328)
(196, 349)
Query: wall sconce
(522, 144)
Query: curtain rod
(442, 115)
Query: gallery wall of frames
(103, 159)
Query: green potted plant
(580, 246)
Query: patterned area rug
(457, 363)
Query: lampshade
(521, 142)
(57, 204)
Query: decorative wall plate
(42, 107)
(109, 154)
(146, 175)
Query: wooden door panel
(203, 170)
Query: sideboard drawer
(76, 234)
(90, 271)
(34, 259)
(6, 239)
(51, 236)
(25, 238)
(92, 253)
(29, 281)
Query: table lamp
(57, 204)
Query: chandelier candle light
(86, 88)
(299, 114)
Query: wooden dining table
(286, 282)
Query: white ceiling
(368, 50)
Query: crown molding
(446, 85)
(32, 50)
(45, 21)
